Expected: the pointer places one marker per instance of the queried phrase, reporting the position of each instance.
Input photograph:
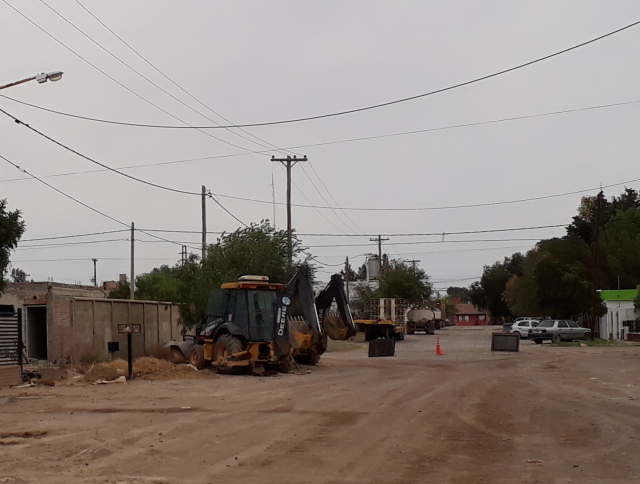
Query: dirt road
(469, 416)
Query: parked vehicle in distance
(558, 330)
(523, 326)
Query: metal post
(204, 223)
(129, 352)
(132, 285)
(289, 162)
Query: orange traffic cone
(438, 349)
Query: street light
(41, 78)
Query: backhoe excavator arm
(296, 297)
(340, 325)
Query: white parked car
(523, 326)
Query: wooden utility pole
(288, 162)
(347, 276)
(414, 262)
(132, 287)
(204, 222)
(599, 200)
(379, 240)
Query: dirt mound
(147, 368)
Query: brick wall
(10, 375)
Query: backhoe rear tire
(227, 345)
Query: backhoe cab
(254, 322)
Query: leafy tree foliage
(464, 293)
(558, 274)
(258, 249)
(620, 243)
(401, 280)
(122, 291)
(18, 275)
(488, 292)
(11, 229)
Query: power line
(111, 77)
(347, 140)
(85, 259)
(76, 235)
(425, 242)
(140, 180)
(151, 82)
(78, 201)
(61, 192)
(370, 107)
(178, 85)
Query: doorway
(37, 332)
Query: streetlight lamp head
(55, 76)
(49, 76)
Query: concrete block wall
(10, 375)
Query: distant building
(622, 320)
(470, 315)
(67, 321)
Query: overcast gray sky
(261, 61)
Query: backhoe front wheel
(196, 358)
(226, 346)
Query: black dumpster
(382, 347)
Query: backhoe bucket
(335, 327)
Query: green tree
(620, 242)
(121, 291)
(556, 280)
(488, 293)
(401, 280)
(18, 275)
(11, 229)
(258, 249)
(463, 293)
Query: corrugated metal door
(9, 339)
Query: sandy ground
(468, 416)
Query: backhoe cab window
(216, 302)
(261, 314)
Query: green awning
(619, 295)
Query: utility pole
(289, 162)
(379, 240)
(133, 274)
(95, 280)
(347, 276)
(599, 200)
(414, 262)
(204, 222)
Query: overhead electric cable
(423, 242)
(151, 82)
(114, 79)
(383, 104)
(73, 236)
(61, 192)
(348, 140)
(445, 207)
(97, 162)
(175, 83)
(210, 195)
(79, 202)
